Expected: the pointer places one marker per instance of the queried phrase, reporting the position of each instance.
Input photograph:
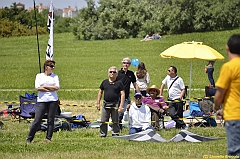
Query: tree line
(117, 19)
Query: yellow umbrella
(190, 51)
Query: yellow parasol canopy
(190, 51)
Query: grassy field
(81, 66)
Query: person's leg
(155, 120)
(210, 76)
(134, 130)
(179, 109)
(39, 113)
(52, 109)
(233, 138)
(104, 118)
(126, 102)
(116, 128)
(175, 111)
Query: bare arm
(121, 102)
(182, 93)
(161, 89)
(47, 88)
(51, 88)
(99, 97)
(218, 99)
(136, 87)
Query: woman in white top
(47, 84)
(142, 78)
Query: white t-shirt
(175, 91)
(139, 117)
(42, 79)
(143, 82)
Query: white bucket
(66, 114)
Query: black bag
(210, 91)
(59, 124)
(110, 104)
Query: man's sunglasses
(112, 72)
(126, 63)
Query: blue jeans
(233, 138)
(126, 102)
(136, 130)
(210, 76)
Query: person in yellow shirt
(227, 95)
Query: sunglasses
(52, 66)
(112, 72)
(126, 63)
(169, 70)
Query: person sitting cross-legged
(139, 115)
(156, 104)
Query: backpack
(206, 106)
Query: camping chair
(206, 106)
(27, 107)
(200, 112)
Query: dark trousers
(41, 109)
(155, 116)
(210, 76)
(176, 111)
(106, 112)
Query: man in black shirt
(112, 91)
(127, 77)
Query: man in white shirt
(139, 115)
(176, 90)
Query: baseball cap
(137, 94)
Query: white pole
(190, 82)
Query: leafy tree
(63, 25)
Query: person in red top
(156, 104)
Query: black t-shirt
(111, 90)
(126, 80)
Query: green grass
(86, 143)
(81, 66)
(84, 64)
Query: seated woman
(156, 104)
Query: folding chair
(27, 107)
(203, 117)
(206, 106)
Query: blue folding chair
(27, 107)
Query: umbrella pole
(190, 82)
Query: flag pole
(35, 16)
